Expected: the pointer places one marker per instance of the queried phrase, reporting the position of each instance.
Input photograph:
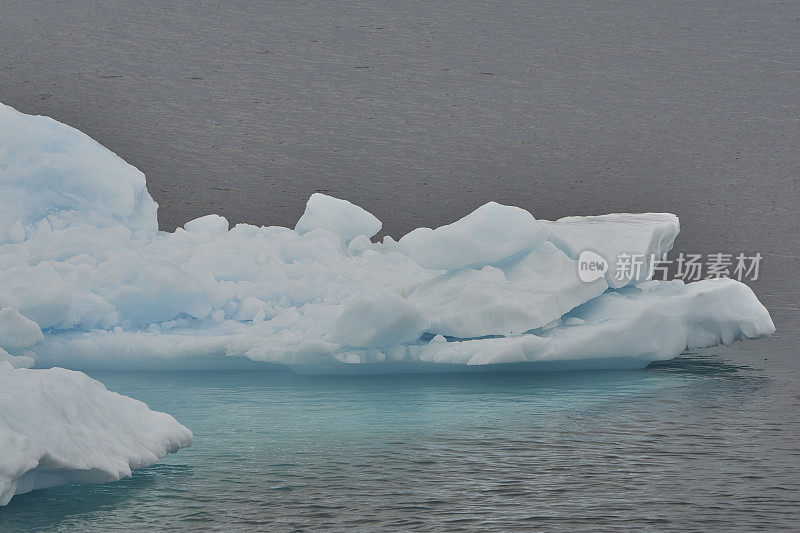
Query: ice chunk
(207, 224)
(480, 352)
(48, 169)
(248, 308)
(17, 232)
(624, 240)
(655, 320)
(527, 294)
(16, 361)
(339, 216)
(146, 289)
(58, 426)
(388, 243)
(360, 244)
(18, 333)
(37, 292)
(487, 236)
(380, 318)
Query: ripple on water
(697, 442)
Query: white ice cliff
(82, 263)
(60, 426)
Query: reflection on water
(696, 363)
(696, 442)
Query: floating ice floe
(60, 426)
(80, 256)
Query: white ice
(629, 242)
(491, 234)
(526, 294)
(60, 426)
(80, 256)
(54, 171)
(343, 218)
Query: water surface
(702, 442)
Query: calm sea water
(706, 441)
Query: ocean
(707, 441)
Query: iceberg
(94, 284)
(60, 426)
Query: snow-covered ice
(81, 259)
(60, 426)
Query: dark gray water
(421, 112)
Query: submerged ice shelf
(96, 285)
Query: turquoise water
(704, 441)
